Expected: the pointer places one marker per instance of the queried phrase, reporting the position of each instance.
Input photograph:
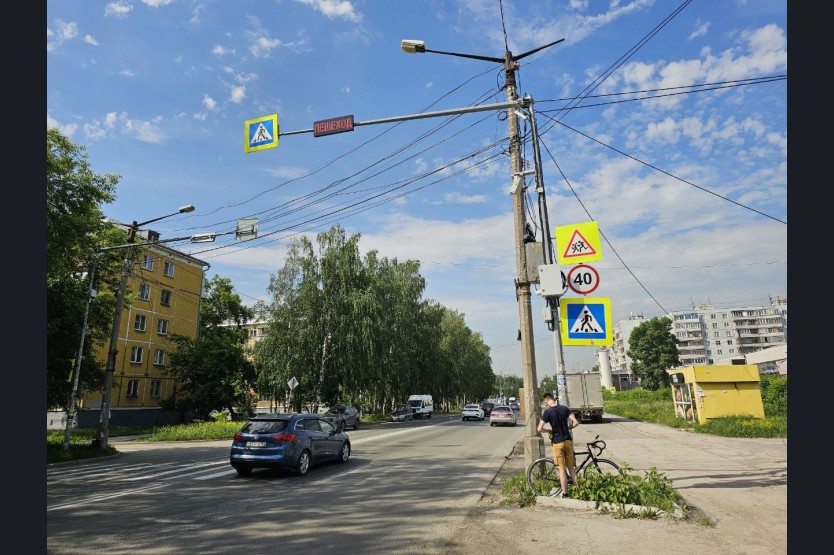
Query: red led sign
(333, 125)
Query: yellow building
(166, 287)
(705, 392)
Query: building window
(712, 316)
(732, 351)
(720, 351)
(159, 357)
(715, 334)
(729, 342)
(728, 333)
(136, 355)
(132, 388)
(165, 299)
(715, 325)
(718, 342)
(162, 327)
(144, 292)
(726, 324)
(147, 262)
(169, 269)
(141, 322)
(156, 387)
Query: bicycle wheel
(604, 466)
(543, 477)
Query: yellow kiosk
(705, 392)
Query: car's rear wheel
(356, 423)
(243, 470)
(303, 464)
(344, 453)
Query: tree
(549, 385)
(214, 370)
(74, 195)
(653, 349)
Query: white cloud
(334, 9)
(237, 94)
(345, 90)
(220, 50)
(700, 30)
(261, 46)
(66, 130)
(458, 198)
(126, 73)
(120, 124)
(118, 9)
(65, 31)
(90, 39)
(157, 3)
(209, 103)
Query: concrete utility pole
(533, 443)
(103, 433)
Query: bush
(774, 390)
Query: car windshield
(336, 410)
(471, 407)
(415, 403)
(501, 410)
(265, 426)
(401, 408)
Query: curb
(582, 505)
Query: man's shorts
(563, 454)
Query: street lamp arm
(516, 58)
(472, 56)
(182, 209)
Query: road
(405, 489)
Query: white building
(708, 335)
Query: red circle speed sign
(583, 279)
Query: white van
(422, 406)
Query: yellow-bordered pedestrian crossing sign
(586, 321)
(260, 133)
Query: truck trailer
(584, 395)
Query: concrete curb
(582, 505)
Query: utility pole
(103, 433)
(533, 443)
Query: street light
(104, 426)
(533, 443)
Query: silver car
(343, 416)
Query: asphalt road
(405, 489)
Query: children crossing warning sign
(578, 243)
(586, 321)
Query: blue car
(291, 441)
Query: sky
(664, 124)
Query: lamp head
(186, 208)
(410, 46)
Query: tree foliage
(75, 230)
(353, 329)
(653, 349)
(213, 370)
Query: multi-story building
(166, 286)
(708, 335)
(621, 376)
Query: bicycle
(543, 474)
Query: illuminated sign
(333, 125)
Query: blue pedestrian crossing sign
(586, 321)
(260, 133)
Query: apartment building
(166, 286)
(621, 376)
(708, 335)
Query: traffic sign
(583, 279)
(577, 243)
(260, 133)
(333, 125)
(292, 383)
(586, 321)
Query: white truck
(422, 406)
(584, 395)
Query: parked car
(343, 416)
(473, 412)
(401, 413)
(487, 407)
(291, 441)
(502, 415)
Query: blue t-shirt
(557, 417)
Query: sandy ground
(736, 491)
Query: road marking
(101, 498)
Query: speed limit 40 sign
(583, 279)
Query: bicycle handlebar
(597, 444)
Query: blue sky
(688, 187)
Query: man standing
(561, 421)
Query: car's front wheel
(303, 464)
(356, 423)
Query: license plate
(256, 444)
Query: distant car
(401, 413)
(343, 416)
(516, 407)
(487, 407)
(502, 415)
(291, 441)
(472, 412)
